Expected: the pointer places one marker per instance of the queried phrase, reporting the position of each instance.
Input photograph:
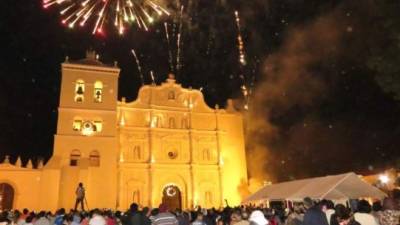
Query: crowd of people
(307, 212)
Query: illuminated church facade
(166, 146)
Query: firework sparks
(101, 12)
(242, 61)
(178, 44)
(171, 65)
(152, 77)
(138, 66)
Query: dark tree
(385, 58)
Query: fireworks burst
(120, 13)
(178, 44)
(174, 32)
(171, 64)
(153, 81)
(138, 66)
(242, 61)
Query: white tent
(336, 187)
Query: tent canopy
(336, 187)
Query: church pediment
(170, 95)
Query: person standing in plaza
(314, 214)
(80, 196)
(164, 217)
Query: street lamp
(384, 178)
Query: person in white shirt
(363, 215)
(328, 208)
(97, 218)
(257, 218)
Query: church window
(94, 158)
(153, 122)
(171, 122)
(79, 90)
(98, 125)
(74, 158)
(185, 124)
(156, 122)
(206, 154)
(98, 92)
(171, 95)
(159, 122)
(77, 125)
(172, 154)
(136, 152)
(88, 128)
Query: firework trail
(171, 65)
(152, 77)
(138, 66)
(178, 44)
(242, 59)
(242, 62)
(120, 13)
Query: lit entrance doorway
(6, 196)
(172, 197)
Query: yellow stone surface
(126, 152)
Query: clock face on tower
(88, 128)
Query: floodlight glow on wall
(384, 178)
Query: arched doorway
(172, 197)
(6, 196)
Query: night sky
(318, 104)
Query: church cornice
(169, 130)
(83, 136)
(80, 110)
(89, 68)
(194, 166)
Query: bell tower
(85, 146)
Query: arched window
(136, 152)
(156, 122)
(98, 125)
(77, 124)
(171, 122)
(79, 90)
(94, 158)
(185, 124)
(74, 158)
(98, 91)
(159, 122)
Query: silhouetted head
(163, 208)
(377, 206)
(363, 206)
(134, 207)
(308, 202)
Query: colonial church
(166, 146)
